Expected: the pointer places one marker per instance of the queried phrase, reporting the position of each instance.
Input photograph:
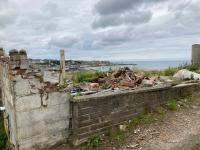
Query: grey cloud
(120, 26)
(3, 4)
(6, 19)
(106, 7)
(133, 17)
(63, 42)
(7, 13)
(112, 37)
(120, 12)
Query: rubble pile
(121, 79)
(124, 77)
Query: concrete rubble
(122, 79)
(186, 74)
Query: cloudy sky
(101, 29)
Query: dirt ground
(178, 130)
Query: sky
(101, 29)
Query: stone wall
(96, 114)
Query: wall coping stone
(127, 92)
(107, 94)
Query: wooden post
(62, 67)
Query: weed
(160, 110)
(172, 104)
(78, 94)
(93, 142)
(146, 118)
(190, 67)
(135, 121)
(116, 136)
(196, 147)
(152, 73)
(170, 71)
(85, 76)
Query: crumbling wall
(42, 113)
(8, 101)
(18, 59)
(36, 112)
(96, 114)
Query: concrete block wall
(42, 119)
(36, 117)
(96, 114)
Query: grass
(152, 73)
(167, 72)
(78, 94)
(190, 67)
(170, 71)
(82, 76)
(172, 104)
(196, 146)
(148, 116)
(93, 143)
(116, 136)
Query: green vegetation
(3, 136)
(151, 73)
(78, 94)
(85, 76)
(93, 143)
(170, 71)
(196, 146)
(167, 72)
(116, 135)
(190, 67)
(148, 116)
(172, 104)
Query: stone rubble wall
(97, 114)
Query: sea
(154, 64)
(144, 64)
